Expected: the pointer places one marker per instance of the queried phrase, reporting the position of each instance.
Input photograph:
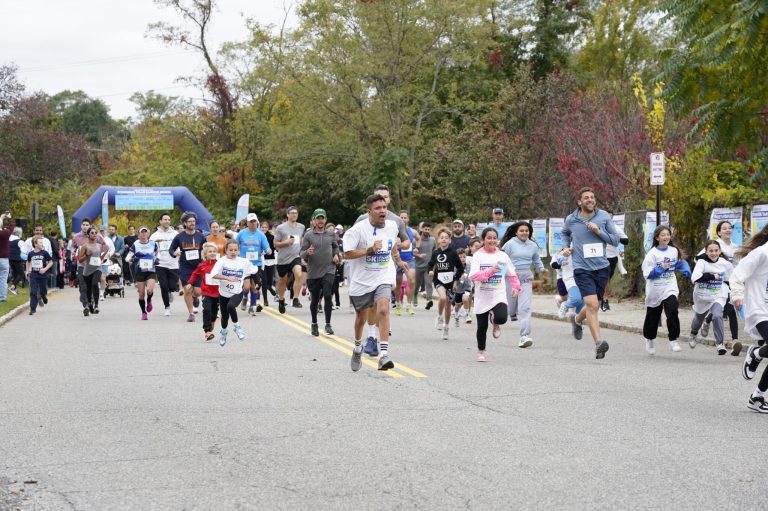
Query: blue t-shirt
(407, 255)
(252, 245)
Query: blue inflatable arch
(182, 198)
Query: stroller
(114, 277)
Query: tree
(11, 90)
(154, 106)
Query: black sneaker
(600, 350)
(31, 313)
(315, 330)
(297, 304)
(750, 363)
(281, 306)
(40, 302)
(757, 403)
(721, 349)
(259, 308)
(576, 329)
(604, 305)
(328, 329)
(90, 307)
(429, 305)
(45, 300)
(85, 311)
(96, 310)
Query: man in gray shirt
(288, 242)
(423, 253)
(321, 252)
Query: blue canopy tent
(138, 198)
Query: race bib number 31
(593, 250)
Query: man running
(188, 247)
(458, 238)
(370, 247)
(253, 243)
(423, 254)
(321, 252)
(288, 242)
(167, 268)
(498, 222)
(407, 256)
(587, 231)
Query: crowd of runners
(388, 265)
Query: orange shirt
(220, 241)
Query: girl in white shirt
(728, 248)
(748, 288)
(661, 291)
(230, 271)
(710, 292)
(490, 266)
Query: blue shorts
(592, 282)
(411, 266)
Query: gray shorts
(364, 301)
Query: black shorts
(612, 262)
(458, 299)
(285, 269)
(592, 282)
(257, 278)
(186, 273)
(143, 276)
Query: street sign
(657, 168)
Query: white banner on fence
(650, 225)
(555, 235)
(732, 215)
(759, 218)
(540, 235)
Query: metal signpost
(657, 179)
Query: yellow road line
(300, 328)
(340, 340)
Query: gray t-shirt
(427, 247)
(402, 234)
(284, 231)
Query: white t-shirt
(494, 290)
(163, 240)
(714, 291)
(749, 280)
(238, 267)
(369, 272)
(566, 270)
(659, 289)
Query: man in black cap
(498, 222)
(321, 252)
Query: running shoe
(513, 318)
(411, 312)
(40, 301)
(208, 336)
(600, 349)
(90, 307)
(525, 342)
(251, 312)
(96, 309)
(757, 403)
(239, 332)
(675, 346)
(222, 337)
(468, 319)
(750, 363)
(693, 340)
(144, 316)
(85, 311)
(563, 310)
(398, 310)
(576, 329)
(259, 308)
(429, 305)
(705, 329)
(737, 347)
(385, 363)
(495, 329)
(328, 329)
(13, 291)
(149, 306)
(556, 299)
(31, 313)
(721, 349)
(481, 356)
(281, 306)
(315, 330)
(45, 300)
(196, 303)
(191, 318)
(297, 304)
(167, 311)
(370, 346)
(456, 320)
(357, 359)
(445, 333)
(650, 346)
(439, 323)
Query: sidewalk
(628, 316)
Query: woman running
(90, 253)
(661, 291)
(217, 237)
(489, 268)
(144, 251)
(524, 253)
(748, 290)
(710, 292)
(230, 271)
(268, 284)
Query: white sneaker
(445, 333)
(563, 310)
(525, 342)
(481, 356)
(674, 346)
(692, 341)
(239, 331)
(439, 323)
(650, 346)
(556, 299)
(167, 311)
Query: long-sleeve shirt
(709, 280)
(748, 283)
(489, 285)
(5, 234)
(320, 263)
(523, 254)
(588, 247)
(208, 286)
(447, 266)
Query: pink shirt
(490, 288)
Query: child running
(710, 293)
(230, 271)
(209, 288)
(463, 291)
(145, 252)
(748, 289)
(661, 291)
(489, 267)
(564, 266)
(39, 261)
(448, 270)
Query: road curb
(19, 309)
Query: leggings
(716, 312)
(169, 283)
(653, 316)
(89, 289)
(499, 318)
(321, 288)
(268, 282)
(228, 306)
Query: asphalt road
(109, 412)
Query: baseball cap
(143, 228)
(498, 210)
(319, 212)
(457, 221)
(251, 217)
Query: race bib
(37, 264)
(593, 250)
(94, 261)
(252, 256)
(146, 264)
(210, 281)
(192, 255)
(235, 288)
(445, 277)
(296, 241)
